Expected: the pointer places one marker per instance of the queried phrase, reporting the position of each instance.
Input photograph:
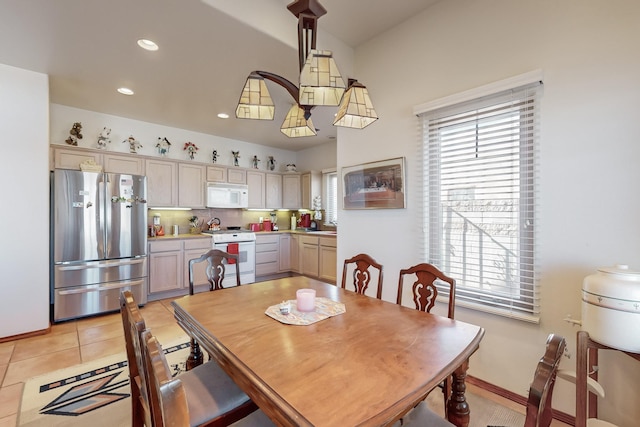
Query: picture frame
(374, 185)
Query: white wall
(24, 158)
(63, 117)
(589, 203)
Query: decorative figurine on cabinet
(271, 163)
(214, 156)
(291, 167)
(191, 149)
(236, 156)
(163, 146)
(75, 134)
(103, 138)
(134, 145)
(255, 162)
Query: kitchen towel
(232, 248)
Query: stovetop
(225, 236)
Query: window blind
(330, 180)
(480, 171)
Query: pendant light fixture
(321, 84)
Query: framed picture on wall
(374, 185)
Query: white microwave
(221, 195)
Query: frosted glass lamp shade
(255, 100)
(295, 125)
(356, 110)
(320, 80)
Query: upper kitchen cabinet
(273, 191)
(162, 183)
(191, 182)
(224, 174)
(311, 187)
(255, 181)
(124, 164)
(71, 158)
(291, 191)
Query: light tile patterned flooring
(79, 341)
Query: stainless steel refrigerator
(98, 241)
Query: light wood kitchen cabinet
(294, 254)
(309, 256)
(311, 183)
(327, 259)
(123, 164)
(236, 176)
(71, 158)
(162, 183)
(216, 174)
(193, 248)
(191, 182)
(291, 191)
(165, 266)
(273, 191)
(285, 253)
(255, 181)
(267, 254)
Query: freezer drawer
(80, 301)
(97, 272)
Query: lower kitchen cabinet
(169, 265)
(309, 256)
(267, 254)
(294, 257)
(165, 266)
(285, 252)
(327, 259)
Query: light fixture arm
(289, 86)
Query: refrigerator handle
(133, 261)
(87, 289)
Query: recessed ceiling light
(147, 44)
(125, 91)
(223, 115)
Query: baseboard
(26, 335)
(514, 397)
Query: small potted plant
(193, 222)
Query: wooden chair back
(215, 269)
(541, 391)
(167, 394)
(424, 290)
(362, 263)
(133, 325)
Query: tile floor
(79, 341)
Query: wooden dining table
(365, 367)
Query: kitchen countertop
(328, 233)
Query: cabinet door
(309, 256)
(123, 164)
(199, 269)
(165, 271)
(327, 259)
(71, 159)
(285, 252)
(273, 187)
(291, 191)
(295, 250)
(255, 181)
(216, 174)
(311, 183)
(236, 176)
(162, 183)
(191, 182)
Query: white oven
(246, 249)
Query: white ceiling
(88, 48)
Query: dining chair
(217, 400)
(200, 397)
(424, 294)
(362, 266)
(538, 410)
(215, 271)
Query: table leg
(195, 357)
(458, 408)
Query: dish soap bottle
(293, 221)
